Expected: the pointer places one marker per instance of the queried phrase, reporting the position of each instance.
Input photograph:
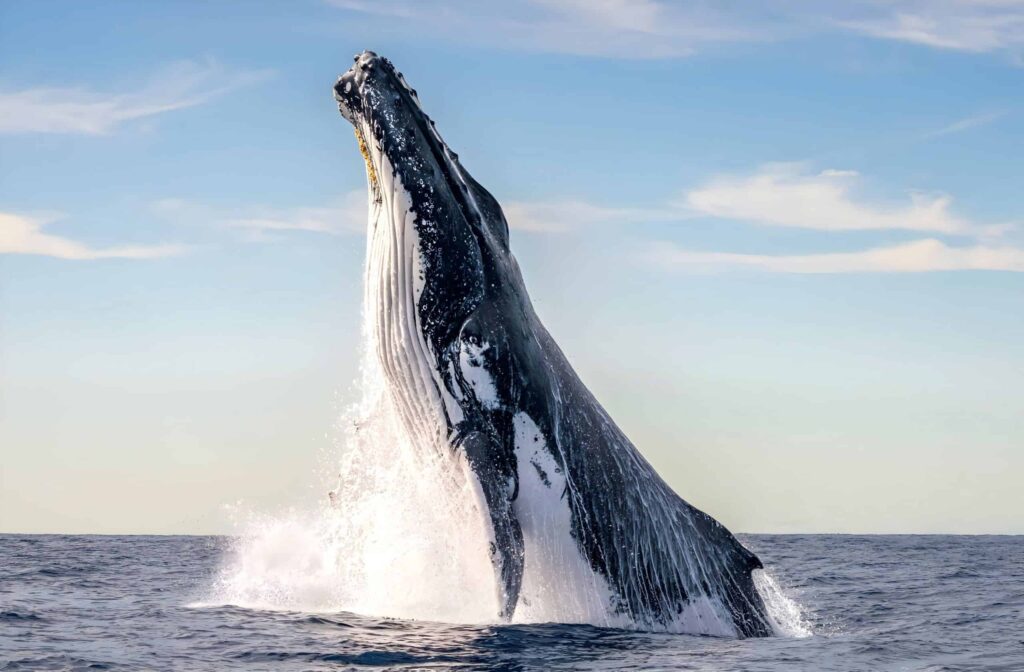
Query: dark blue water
(873, 602)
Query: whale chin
(574, 517)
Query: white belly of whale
(558, 582)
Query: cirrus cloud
(958, 25)
(663, 29)
(25, 235)
(566, 215)
(919, 256)
(346, 216)
(783, 194)
(264, 223)
(79, 110)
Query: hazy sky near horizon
(783, 246)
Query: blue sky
(783, 245)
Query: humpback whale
(475, 375)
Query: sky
(783, 245)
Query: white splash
(403, 537)
(405, 532)
(786, 616)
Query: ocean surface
(871, 602)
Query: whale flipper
(496, 471)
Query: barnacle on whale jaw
(370, 170)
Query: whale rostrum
(474, 374)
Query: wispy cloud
(25, 235)
(85, 111)
(348, 217)
(967, 123)
(961, 25)
(918, 256)
(569, 215)
(263, 224)
(789, 195)
(386, 8)
(616, 28)
(786, 195)
(777, 194)
(663, 29)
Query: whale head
(419, 189)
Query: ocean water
(869, 603)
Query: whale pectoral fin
(506, 552)
(500, 485)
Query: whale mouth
(373, 96)
(394, 133)
(346, 89)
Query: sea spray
(397, 531)
(787, 617)
(399, 535)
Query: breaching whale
(474, 373)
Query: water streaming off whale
(480, 480)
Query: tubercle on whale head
(393, 132)
(374, 97)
